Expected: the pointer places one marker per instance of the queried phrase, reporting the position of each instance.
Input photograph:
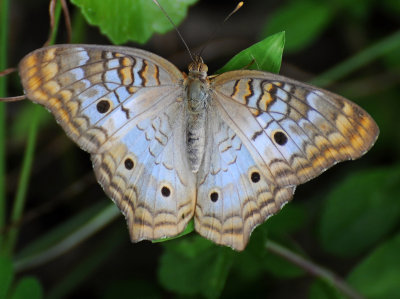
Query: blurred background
(72, 242)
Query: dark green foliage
(362, 210)
(377, 276)
(347, 220)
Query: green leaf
(193, 265)
(6, 275)
(28, 287)
(265, 55)
(302, 21)
(378, 276)
(361, 210)
(135, 20)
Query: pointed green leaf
(265, 55)
(135, 20)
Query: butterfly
(227, 150)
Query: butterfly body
(226, 150)
(198, 100)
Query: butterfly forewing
(93, 90)
(297, 129)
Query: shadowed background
(346, 220)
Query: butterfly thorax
(198, 98)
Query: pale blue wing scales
(124, 106)
(234, 195)
(295, 130)
(93, 89)
(148, 176)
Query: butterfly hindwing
(147, 175)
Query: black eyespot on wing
(255, 177)
(214, 196)
(103, 106)
(165, 191)
(280, 138)
(129, 163)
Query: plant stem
(54, 30)
(74, 238)
(4, 7)
(23, 184)
(19, 201)
(313, 269)
(371, 53)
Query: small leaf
(360, 211)
(134, 20)
(193, 265)
(378, 276)
(6, 275)
(265, 55)
(302, 21)
(28, 287)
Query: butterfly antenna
(238, 6)
(176, 29)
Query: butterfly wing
(147, 175)
(268, 134)
(124, 106)
(234, 194)
(89, 88)
(294, 130)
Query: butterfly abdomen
(197, 104)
